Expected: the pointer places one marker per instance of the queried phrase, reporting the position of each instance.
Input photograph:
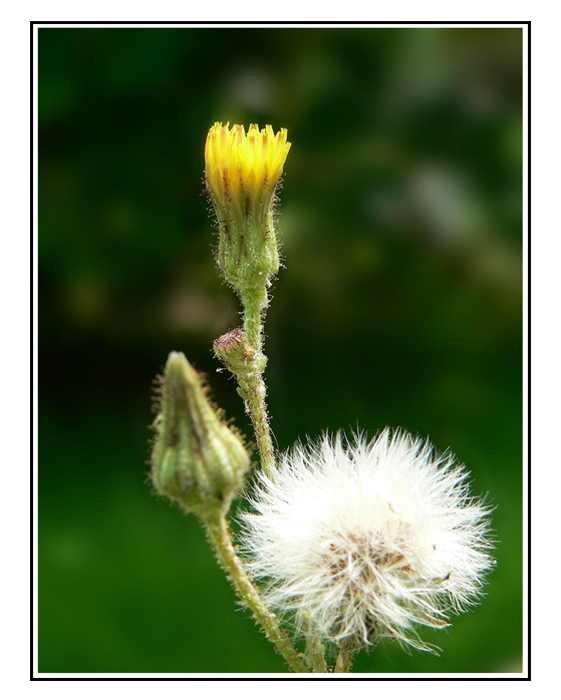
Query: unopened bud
(197, 459)
(234, 350)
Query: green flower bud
(198, 461)
(234, 350)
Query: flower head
(368, 540)
(244, 167)
(242, 172)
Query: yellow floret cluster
(244, 166)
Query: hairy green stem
(254, 306)
(257, 409)
(314, 654)
(345, 658)
(219, 535)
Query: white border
(196, 677)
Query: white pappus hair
(366, 540)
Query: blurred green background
(400, 304)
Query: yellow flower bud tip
(197, 459)
(239, 164)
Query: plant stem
(257, 409)
(314, 653)
(254, 306)
(219, 535)
(345, 658)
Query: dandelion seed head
(368, 539)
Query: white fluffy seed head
(366, 540)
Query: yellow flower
(242, 166)
(242, 172)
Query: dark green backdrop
(400, 304)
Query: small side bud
(235, 351)
(197, 460)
